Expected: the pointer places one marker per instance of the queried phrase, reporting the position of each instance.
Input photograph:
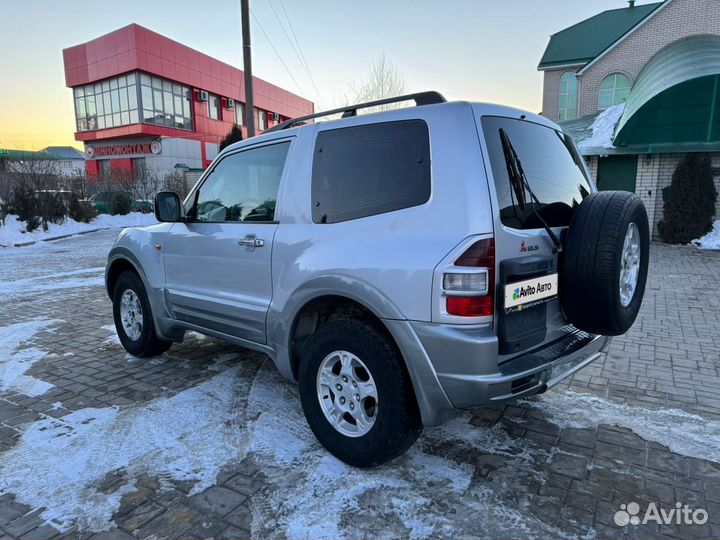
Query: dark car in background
(106, 201)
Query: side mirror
(168, 207)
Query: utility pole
(247, 68)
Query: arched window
(567, 107)
(614, 89)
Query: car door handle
(251, 242)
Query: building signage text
(152, 147)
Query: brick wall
(592, 163)
(551, 92)
(678, 19)
(654, 172)
(646, 182)
(666, 167)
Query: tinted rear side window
(552, 166)
(372, 169)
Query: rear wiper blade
(520, 183)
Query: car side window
(371, 169)
(243, 186)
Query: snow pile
(133, 219)
(15, 362)
(13, 232)
(711, 240)
(603, 128)
(682, 432)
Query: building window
(614, 89)
(165, 103)
(239, 113)
(139, 168)
(214, 107)
(262, 120)
(567, 107)
(104, 169)
(106, 104)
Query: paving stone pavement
(513, 471)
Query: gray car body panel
(389, 263)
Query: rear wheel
(356, 394)
(133, 318)
(605, 263)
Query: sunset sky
(484, 50)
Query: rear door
(528, 312)
(217, 266)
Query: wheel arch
(115, 268)
(433, 404)
(122, 259)
(323, 308)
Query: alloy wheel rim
(629, 265)
(131, 315)
(347, 393)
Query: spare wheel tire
(605, 263)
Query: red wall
(136, 48)
(93, 168)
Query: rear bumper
(465, 362)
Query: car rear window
(552, 166)
(366, 170)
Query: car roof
(479, 108)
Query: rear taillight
(469, 287)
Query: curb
(26, 244)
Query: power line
(292, 30)
(276, 52)
(297, 50)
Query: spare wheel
(605, 263)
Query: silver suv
(399, 265)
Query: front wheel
(133, 318)
(356, 394)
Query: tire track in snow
(435, 490)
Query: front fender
(138, 248)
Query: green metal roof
(676, 98)
(584, 41)
(581, 129)
(16, 155)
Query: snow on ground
(112, 338)
(711, 240)
(249, 412)
(603, 128)
(313, 495)
(16, 360)
(60, 463)
(682, 432)
(13, 232)
(85, 277)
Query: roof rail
(421, 98)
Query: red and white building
(144, 101)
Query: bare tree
(176, 181)
(37, 196)
(382, 80)
(145, 185)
